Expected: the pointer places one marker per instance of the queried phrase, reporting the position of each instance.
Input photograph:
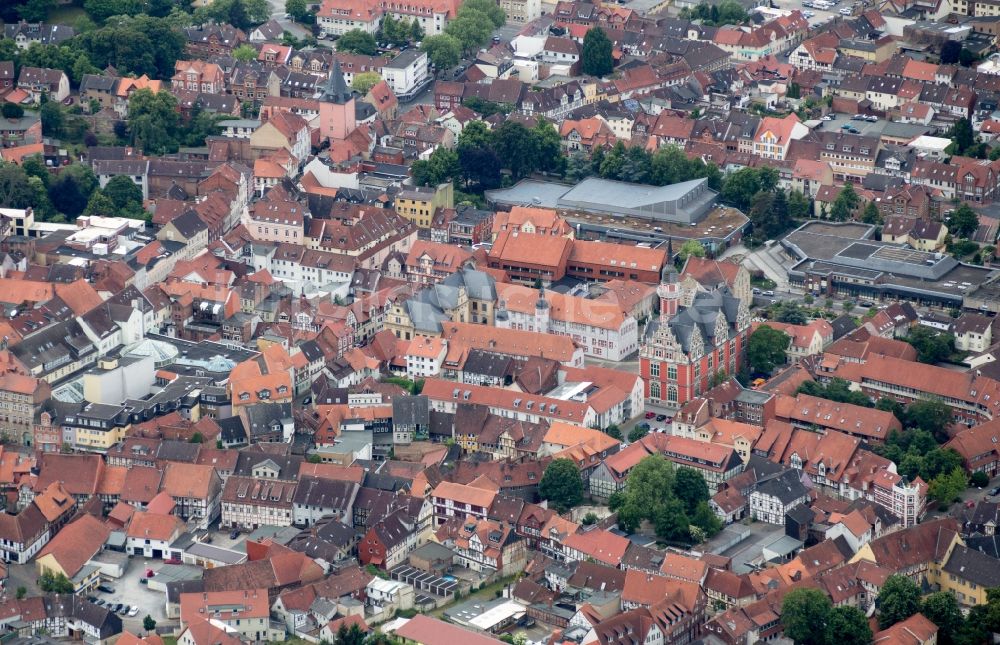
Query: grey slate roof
(787, 487)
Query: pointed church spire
(336, 90)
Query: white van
(822, 4)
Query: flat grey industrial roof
(859, 251)
(529, 192)
(627, 195)
(217, 553)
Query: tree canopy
(675, 501)
(837, 389)
(363, 83)
(766, 349)
(898, 599)
(356, 41)
(561, 485)
(596, 57)
(963, 221)
(443, 50)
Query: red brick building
(687, 346)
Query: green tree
(637, 433)
(239, 13)
(790, 312)
(731, 13)
(671, 522)
(21, 592)
(887, 404)
(963, 221)
(516, 148)
(100, 204)
(766, 349)
(689, 248)
(690, 488)
(55, 583)
(299, 11)
(52, 118)
(350, 636)
(12, 111)
(443, 50)
(843, 206)
(395, 32)
(962, 136)
(148, 623)
(950, 51)
(36, 10)
(561, 485)
(932, 346)
(15, 189)
(589, 519)
(804, 613)
(946, 487)
(647, 489)
(741, 187)
(416, 31)
(245, 52)
(440, 167)
(932, 415)
(798, 205)
(136, 45)
(121, 191)
(941, 608)
(153, 121)
(471, 28)
(487, 7)
(365, 81)
(71, 189)
(596, 58)
(847, 625)
(979, 479)
(871, 214)
(837, 389)
(548, 147)
(614, 432)
(898, 599)
(706, 520)
(356, 41)
(197, 437)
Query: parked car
(871, 118)
(650, 415)
(995, 491)
(307, 400)
(858, 117)
(235, 533)
(144, 581)
(828, 117)
(768, 293)
(808, 14)
(172, 561)
(133, 611)
(106, 588)
(661, 417)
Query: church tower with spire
(336, 107)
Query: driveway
(278, 14)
